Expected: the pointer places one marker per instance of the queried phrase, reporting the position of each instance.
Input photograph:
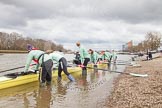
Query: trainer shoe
(59, 78)
(42, 84)
(48, 82)
(70, 77)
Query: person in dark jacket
(77, 60)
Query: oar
(121, 61)
(133, 74)
(15, 75)
(55, 68)
(15, 68)
(114, 63)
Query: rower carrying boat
(43, 60)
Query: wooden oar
(15, 68)
(132, 74)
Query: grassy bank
(12, 51)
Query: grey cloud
(10, 15)
(89, 40)
(89, 43)
(111, 22)
(131, 11)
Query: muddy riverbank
(138, 92)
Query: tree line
(15, 41)
(152, 42)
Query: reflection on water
(88, 91)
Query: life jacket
(35, 60)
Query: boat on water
(8, 81)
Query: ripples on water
(89, 91)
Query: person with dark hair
(84, 56)
(150, 55)
(94, 56)
(43, 60)
(105, 56)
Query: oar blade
(15, 75)
(138, 75)
(132, 74)
(12, 75)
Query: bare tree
(15, 41)
(153, 40)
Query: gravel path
(138, 92)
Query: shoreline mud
(138, 92)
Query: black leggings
(86, 60)
(46, 71)
(77, 62)
(62, 67)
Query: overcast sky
(98, 24)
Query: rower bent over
(42, 60)
(62, 65)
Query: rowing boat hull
(20, 80)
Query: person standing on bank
(42, 59)
(84, 56)
(62, 64)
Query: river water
(89, 91)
